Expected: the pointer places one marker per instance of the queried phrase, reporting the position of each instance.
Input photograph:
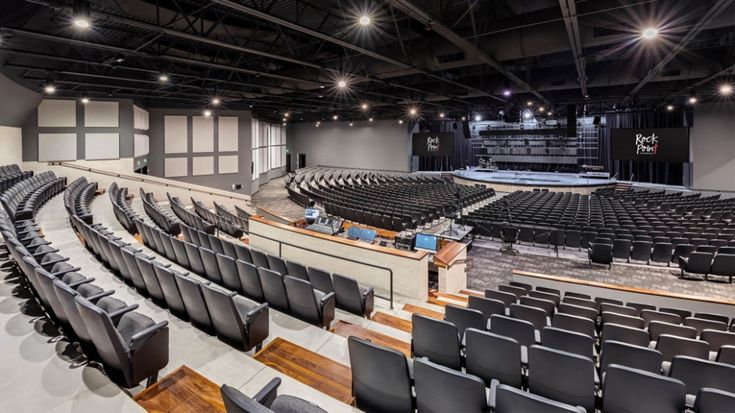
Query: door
(302, 160)
(288, 163)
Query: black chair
(627, 390)
(260, 260)
(211, 268)
(381, 381)
(641, 251)
(697, 263)
(237, 320)
(503, 363)
(277, 264)
(440, 389)
(308, 304)
(437, 340)
(297, 270)
(512, 400)
(320, 280)
(662, 253)
(195, 259)
(713, 401)
(487, 306)
(171, 294)
(629, 355)
(600, 254)
(274, 290)
(464, 318)
(193, 298)
(266, 400)
(722, 266)
(352, 298)
(575, 386)
(250, 280)
(229, 273)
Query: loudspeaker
(571, 120)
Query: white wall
(11, 149)
(713, 146)
(382, 145)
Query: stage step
(182, 391)
(345, 329)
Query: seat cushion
(131, 323)
(291, 404)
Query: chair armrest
(115, 315)
(40, 243)
(682, 261)
(68, 270)
(325, 299)
(80, 282)
(268, 393)
(39, 254)
(368, 292)
(96, 297)
(257, 325)
(56, 261)
(140, 338)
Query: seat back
(653, 315)
(228, 272)
(697, 374)
(520, 330)
(249, 280)
(562, 376)
(623, 320)
(225, 317)
(487, 306)
(274, 290)
(571, 342)
(301, 299)
(440, 389)
(630, 390)
(437, 340)
(195, 259)
(260, 260)
(277, 264)
(713, 401)
(534, 315)
(630, 335)
(464, 318)
(512, 400)
(671, 346)
(505, 297)
(149, 277)
(348, 295)
(717, 339)
(193, 299)
(380, 377)
(656, 328)
(211, 268)
(171, 293)
(320, 280)
(574, 323)
(629, 355)
(180, 251)
(107, 341)
(297, 270)
(701, 324)
(503, 363)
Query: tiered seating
(123, 211)
(224, 223)
(239, 220)
(23, 199)
(391, 201)
(77, 197)
(163, 219)
(189, 218)
(11, 175)
(283, 284)
(130, 345)
(557, 348)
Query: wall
(18, 102)
(157, 156)
(10, 142)
(384, 145)
(712, 141)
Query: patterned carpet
(487, 268)
(274, 198)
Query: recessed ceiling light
(321, 96)
(464, 118)
(216, 101)
(49, 88)
(365, 20)
(541, 109)
(283, 120)
(441, 114)
(85, 100)
(478, 118)
(80, 13)
(529, 103)
(321, 86)
(364, 106)
(526, 114)
(370, 120)
(342, 84)
(549, 113)
(506, 92)
(285, 115)
(693, 100)
(670, 108)
(335, 117)
(352, 124)
(163, 77)
(284, 123)
(207, 113)
(400, 121)
(726, 89)
(649, 33)
(413, 111)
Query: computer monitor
(368, 235)
(311, 214)
(354, 232)
(427, 242)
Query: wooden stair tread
(423, 311)
(472, 292)
(182, 391)
(392, 321)
(442, 299)
(314, 370)
(346, 329)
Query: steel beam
(569, 12)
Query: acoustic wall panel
(175, 167)
(98, 114)
(57, 146)
(202, 165)
(227, 134)
(57, 114)
(141, 145)
(102, 146)
(202, 134)
(228, 164)
(140, 118)
(175, 132)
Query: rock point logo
(646, 145)
(432, 144)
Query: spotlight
(370, 120)
(400, 121)
(352, 124)
(501, 112)
(342, 84)
(478, 118)
(726, 89)
(163, 77)
(464, 118)
(529, 103)
(413, 111)
(49, 88)
(692, 100)
(216, 101)
(441, 115)
(506, 92)
(649, 33)
(207, 113)
(85, 100)
(365, 20)
(549, 113)
(285, 115)
(80, 14)
(335, 117)
(321, 96)
(364, 106)
(527, 114)
(670, 108)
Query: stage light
(163, 77)
(80, 13)
(529, 103)
(549, 113)
(693, 100)
(365, 20)
(364, 106)
(670, 108)
(649, 33)
(321, 86)
(370, 120)
(321, 96)
(506, 92)
(216, 101)
(335, 117)
(726, 89)
(342, 84)
(527, 114)
(478, 118)
(541, 109)
(464, 118)
(413, 111)
(441, 115)
(85, 100)
(49, 88)
(207, 113)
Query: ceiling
(437, 56)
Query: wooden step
(314, 370)
(442, 299)
(182, 391)
(346, 329)
(392, 321)
(473, 292)
(423, 311)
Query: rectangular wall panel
(176, 167)
(57, 113)
(140, 118)
(227, 134)
(141, 145)
(228, 164)
(57, 146)
(202, 134)
(202, 165)
(102, 146)
(98, 114)
(175, 131)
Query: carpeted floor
(487, 268)
(274, 198)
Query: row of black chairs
(124, 212)
(130, 346)
(222, 222)
(11, 175)
(238, 219)
(22, 199)
(163, 219)
(77, 197)
(189, 218)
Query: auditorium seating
(191, 219)
(11, 175)
(77, 197)
(164, 220)
(125, 214)
(22, 200)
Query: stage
(510, 181)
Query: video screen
(427, 242)
(657, 144)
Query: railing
(281, 243)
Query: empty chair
(662, 252)
(698, 374)
(717, 339)
(274, 289)
(277, 264)
(250, 280)
(723, 266)
(563, 376)
(629, 390)
(437, 340)
(714, 317)
(297, 270)
(517, 291)
(696, 263)
(180, 250)
(464, 318)
(149, 277)
(503, 363)
(243, 253)
(682, 313)
(171, 293)
(259, 259)
(547, 306)
(512, 400)
(618, 309)
(641, 306)
(623, 320)
(351, 297)
(237, 320)
(701, 324)
(714, 401)
(641, 251)
(211, 268)
(520, 330)
(549, 290)
(266, 400)
(193, 298)
(666, 317)
(574, 323)
(656, 328)
(440, 389)
(573, 294)
(554, 298)
(486, 306)
(629, 355)
(581, 302)
(195, 259)
(308, 304)
(600, 254)
(630, 335)
(573, 239)
(568, 341)
(320, 280)
(621, 249)
(134, 349)
(506, 298)
(579, 311)
(534, 315)
(228, 272)
(380, 378)
(671, 346)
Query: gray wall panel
(712, 140)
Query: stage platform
(510, 181)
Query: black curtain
(668, 173)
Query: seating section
(11, 175)
(77, 197)
(22, 200)
(130, 346)
(125, 214)
(239, 220)
(394, 201)
(189, 218)
(163, 219)
(227, 223)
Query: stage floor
(532, 179)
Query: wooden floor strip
(423, 311)
(346, 329)
(182, 391)
(314, 370)
(448, 297)
(392, 321)
(473, 292)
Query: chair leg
(258, 347)
(151, 380)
